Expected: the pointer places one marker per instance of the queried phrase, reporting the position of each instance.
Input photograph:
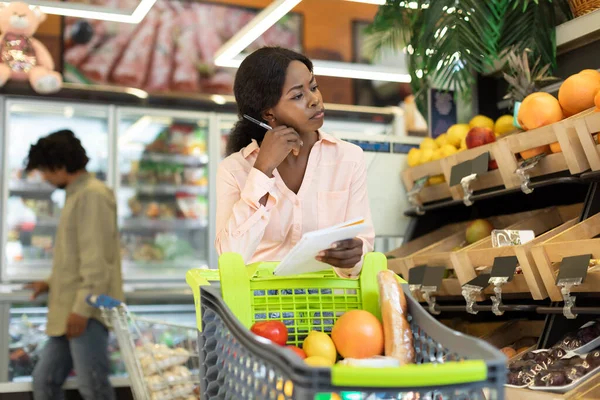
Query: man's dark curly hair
(57, 150)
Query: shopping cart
(160, 358)
(235, 364)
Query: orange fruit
(527, 154)
(555, 147)
(539, 109)
(591, 72)
(358, 334)
(597, 101)
(577, 92)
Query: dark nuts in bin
(593, 359)
(557, 353)
(552, 378)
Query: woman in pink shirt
(277, 184)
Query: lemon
(448, 150)
(504, 125)
(318, 361)
(319, 344)
(481, 121)
(414, 157)
(463, 143)
(426, 156)
(428, 143)
(436, 179)
(441, 140)
(456, 133)
(438, 154)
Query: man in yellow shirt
(86, 261)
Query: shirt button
(297, 202)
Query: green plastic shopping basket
(235, 364)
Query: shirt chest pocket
(331, 208)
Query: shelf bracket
(413, 195)
(565, 291)
(427, 292)
(466, 186)
(523, 172)
(470, 293)
(497, 298)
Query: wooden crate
(397, 264)
(440, 253)
(545, 224)
(495, 178)
(577, 240)
(587, 124)
(572, 158)
(429, 193)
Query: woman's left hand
(344, 254)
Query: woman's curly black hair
(258, 86)
(57, 150)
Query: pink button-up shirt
(334, 190)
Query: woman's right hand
(275, 147)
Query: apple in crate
(479, 136)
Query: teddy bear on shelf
(22, 56)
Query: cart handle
(102, 301)
(412, 375)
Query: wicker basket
(582, 7)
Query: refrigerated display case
(31, 208)
(162, 192)
(27, 325)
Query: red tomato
(298, 351)
(272, 330)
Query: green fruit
(477, 230)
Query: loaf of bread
(396, 329)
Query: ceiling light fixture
(86, 11)
(229, 55)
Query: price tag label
(433, 277)
(459, 171)
(573, 269)
(482, 281)
(416, 275)
(478, 165)
(504, 267)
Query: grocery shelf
(162, 189)
(24, 188)
(163, 224)
(176, 158)
(497, 193)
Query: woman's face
(301, 103)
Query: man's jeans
(88, 354)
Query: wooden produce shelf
(572, 158)
(545, 224)
(586, 125)
(441, 253)
(429, 193)
(578, 240)
(396, 262)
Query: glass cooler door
(162, 192)
(31, 207)
(27, 336)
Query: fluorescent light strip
(252, 31)
(94, 12)
(228, 55)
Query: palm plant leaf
(456, 42)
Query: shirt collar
(77, 183)
(253, 146)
